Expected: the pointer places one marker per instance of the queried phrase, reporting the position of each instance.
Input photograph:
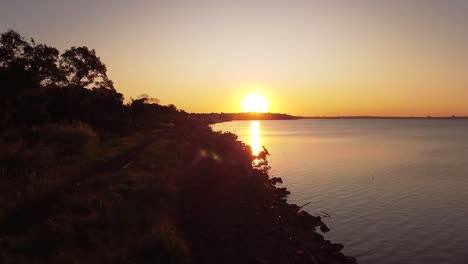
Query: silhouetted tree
(40, 85)
(148, 100)
(12, 49)
(83, 68)
(37, 61)
(171, 108)
(16, 80)
(43, 65)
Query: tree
(147, 99)
(83, 68)
(25, 68)
(40, 85)
(37, 83)
(27, 60)
(12, 49)
(43, 63)
(15, 81)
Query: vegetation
(60, 116)
(38, 86)
(87, 178)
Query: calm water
(397, 190)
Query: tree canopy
(39, 85)
(82, 67)
(77, 66)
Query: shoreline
(290, 230)
(190, 196)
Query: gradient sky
(373, 57)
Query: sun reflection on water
(255, 137)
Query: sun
(254, 102)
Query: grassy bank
(40, 160)
(190, 196)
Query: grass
(124, 217)
(54, 155)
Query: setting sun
(254, 103)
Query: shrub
(29, 149)
(68, 138)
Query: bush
(68, 138)
(28, 149)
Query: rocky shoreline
(235, 213)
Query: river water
(396, 189)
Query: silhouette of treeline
(222, 117)
(40, 85)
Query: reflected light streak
(255, 137)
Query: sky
(311, 58)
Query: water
(397, 190)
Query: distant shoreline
(224, 117)
(382, 117)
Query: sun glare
(254, 103)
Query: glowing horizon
(312, 58)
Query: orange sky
(315, 58)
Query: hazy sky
(309, 57)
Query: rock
(332, 248)
(307, 220)
(276, 180)
(336, 247)
(282, 192)
(323, 227)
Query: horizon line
(339, 116)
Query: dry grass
(37, 160)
